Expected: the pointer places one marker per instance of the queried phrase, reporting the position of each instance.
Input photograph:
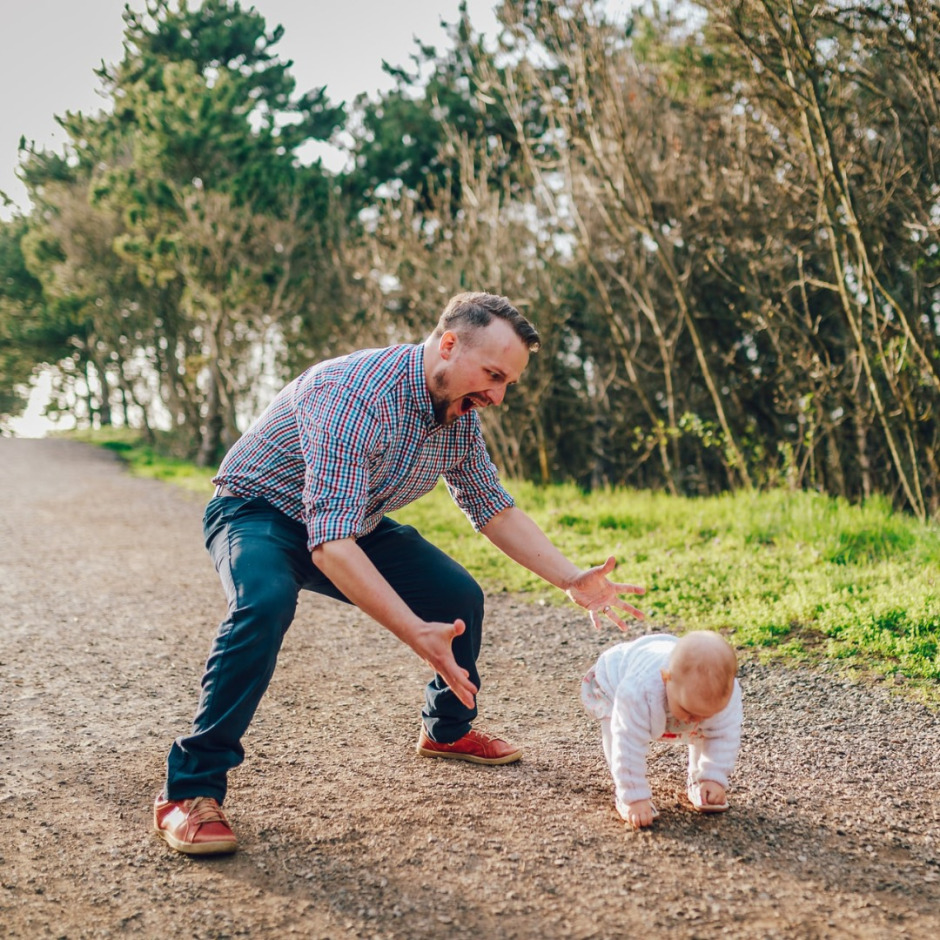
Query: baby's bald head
(700, 675)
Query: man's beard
(440, 406)
(439, 400)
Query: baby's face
(688, 704)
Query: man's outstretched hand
(592, 590)
(351, 570)
(432, 642)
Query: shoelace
(204, 809)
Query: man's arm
(350, 570)
(518, 536)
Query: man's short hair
(476, 309)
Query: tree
(23, 343)
(852, 94)
(400, 140)
(196, 167)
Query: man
(301, 504)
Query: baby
(662, 687)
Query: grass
(793, 573)
(790, 574)
(147, 460)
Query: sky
(47, 59)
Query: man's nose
(496, 395)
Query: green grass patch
(149, 460)
(796, 575)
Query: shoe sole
(197, 848)
(471, 758)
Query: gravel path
(108, 603)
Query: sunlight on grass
(145, 460)
(794, 573)
(781, 573)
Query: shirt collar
(419, 388)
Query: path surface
(107, 606)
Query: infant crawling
(682, 690)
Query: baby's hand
(713, 794)
(640, 813)
(708, 796)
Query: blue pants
(262, 560)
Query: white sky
(49, 49)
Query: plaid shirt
(354, 438)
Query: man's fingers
(440, 657)
(628, 588)
(459, 679)
(465, 697)
(620, 624)
(609, 611)
(633, 611)
(618, 620)
(462, 687)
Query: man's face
(476, 368)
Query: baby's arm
(630, 741)
(713, 754)
(639, 813)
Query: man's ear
(447, 343)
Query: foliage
(22, 340)
(734, 216)
(723, 219)
(149, 459)
(790, 573)
(175, 232)
(402, 140)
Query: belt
(223, 490)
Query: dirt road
(108, 603)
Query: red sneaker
(474, 746)
(194, 827)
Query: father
(301, 504)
